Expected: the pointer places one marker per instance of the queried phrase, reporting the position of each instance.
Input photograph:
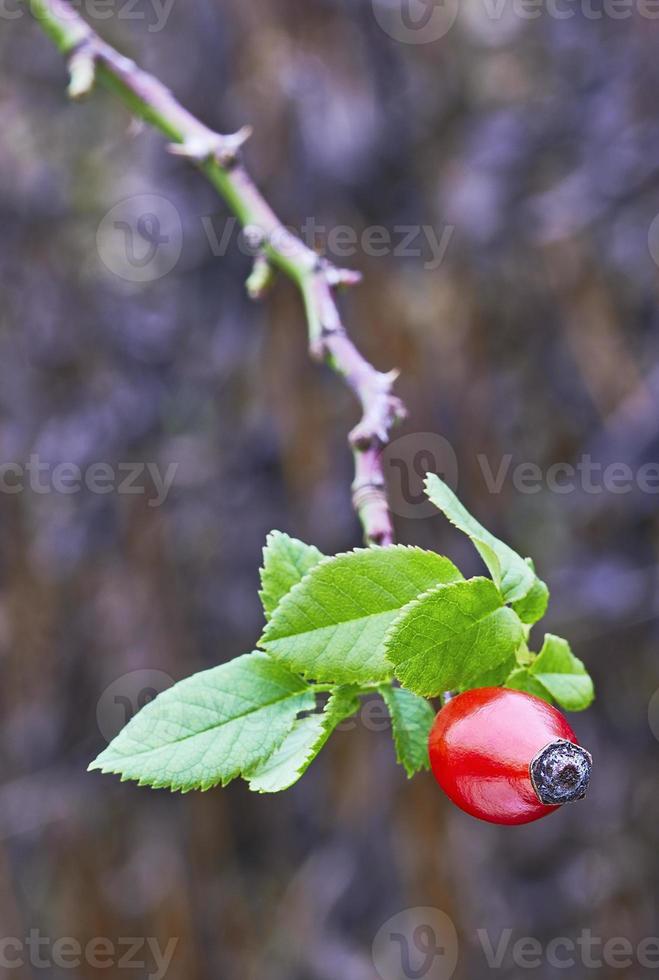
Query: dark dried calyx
(560, 773)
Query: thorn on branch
(135, 127)
(317, 349)
(342, 277)
(261, 279)
(204, 148)
(82, 71)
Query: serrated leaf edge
(328, 728)
(410, 605)
(330, 559)
(112, 764)
(478, 541)
(262, 593)
(385, 692)
(289, 598)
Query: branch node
(199, 150)
(203, 148)
(255, 238)
(82, 71)
(384, 412)
(328, 330)
(363, 437)
(319, 344)
(230, 146)
(369, 499)
(261, 278)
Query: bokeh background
(533, 143)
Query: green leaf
(449, 637)
(332, 624)
(296, 753)
(411, 720)
(210, 728)
(521, 680)
(534, 604)
(512, 574)
(285, 563)
(563, 675)
(555, 674)
(495, 676)
(303, 743)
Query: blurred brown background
(534, 144)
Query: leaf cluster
(399, 623)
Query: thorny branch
(219, 158)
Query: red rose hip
(507, 757)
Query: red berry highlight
(507, 757)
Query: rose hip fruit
(507, 757)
